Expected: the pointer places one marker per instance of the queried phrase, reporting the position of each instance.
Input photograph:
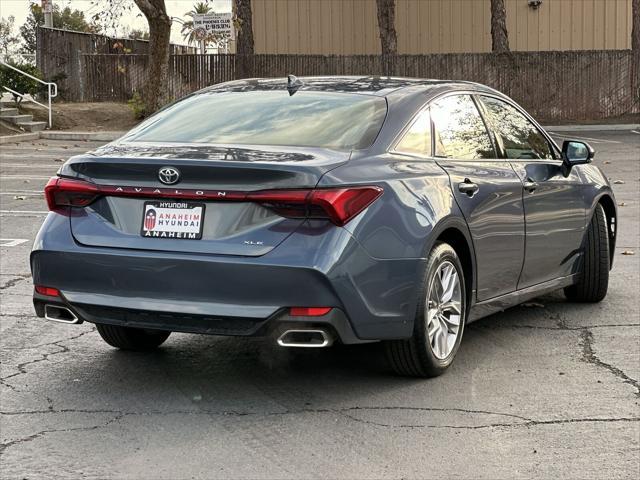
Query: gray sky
(175, 8)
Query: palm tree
(188, 32)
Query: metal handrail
(52, 89)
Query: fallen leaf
(607, 162)
(533, 305)
(619, 182)
(628, 252)
(622, 204)
(59, 160)
(19, 197)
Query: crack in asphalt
(346, 412)
(11, 283)
(21, 367)
(589, 356)
(5, 446)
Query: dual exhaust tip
(300, 337)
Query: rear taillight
(336, 204)
(65, 192)
(339, 205)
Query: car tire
(594, 278)
(128, 338)
(422, 355)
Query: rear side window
(520, 138)
(342, 121)
(459, 129)
(417, 140)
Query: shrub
(18, 82)
(137, 106)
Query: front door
(554, 211)
(487, 190)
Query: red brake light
(48, 291)
(309, 311)
(65, 192)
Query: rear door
(487, 190)
(553, 205)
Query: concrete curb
(61, 135)
(20, 137)
(592, 128)
(69, 135)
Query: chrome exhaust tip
(56, 313)
(305, 338)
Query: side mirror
(575, 153)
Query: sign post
(47, 9)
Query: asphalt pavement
(549, 389)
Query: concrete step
(6, 112)
(33, 126)
(18, 119)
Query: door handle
(529, 185)
(468, 187)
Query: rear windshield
(315, 119)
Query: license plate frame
(179, 217)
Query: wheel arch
(456, 234)
(611, 213)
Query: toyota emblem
(169, 175)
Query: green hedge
(18, 82)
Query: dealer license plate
(173, 219)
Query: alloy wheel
(444, 309)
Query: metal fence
(551, 85)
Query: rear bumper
(231, 295)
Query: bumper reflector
(48, 291)
(309, 311)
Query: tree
(243, 21)
(138, 34)
(635, 32)
(155, 87)
(244, 26)
(8, 40)
(64, 18)
(499, 34)
(387, 26)
(188, 32)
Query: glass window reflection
(417, 140)
(519, 137)
(459, 130)
(307, 119)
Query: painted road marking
(34, 177)
(635, 131)
(573, 137)
(22, 213)
(12, 242)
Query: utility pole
(47, 9)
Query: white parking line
(22, 165)
(635, 131)
(34, 177)
(574, 137)
(12, 242)
(22, 213)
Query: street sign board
(216, 24)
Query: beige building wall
(345, 27)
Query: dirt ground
(86, 117)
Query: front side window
(459, 129)
(417, 140)
(343, 121)
(520, 138)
